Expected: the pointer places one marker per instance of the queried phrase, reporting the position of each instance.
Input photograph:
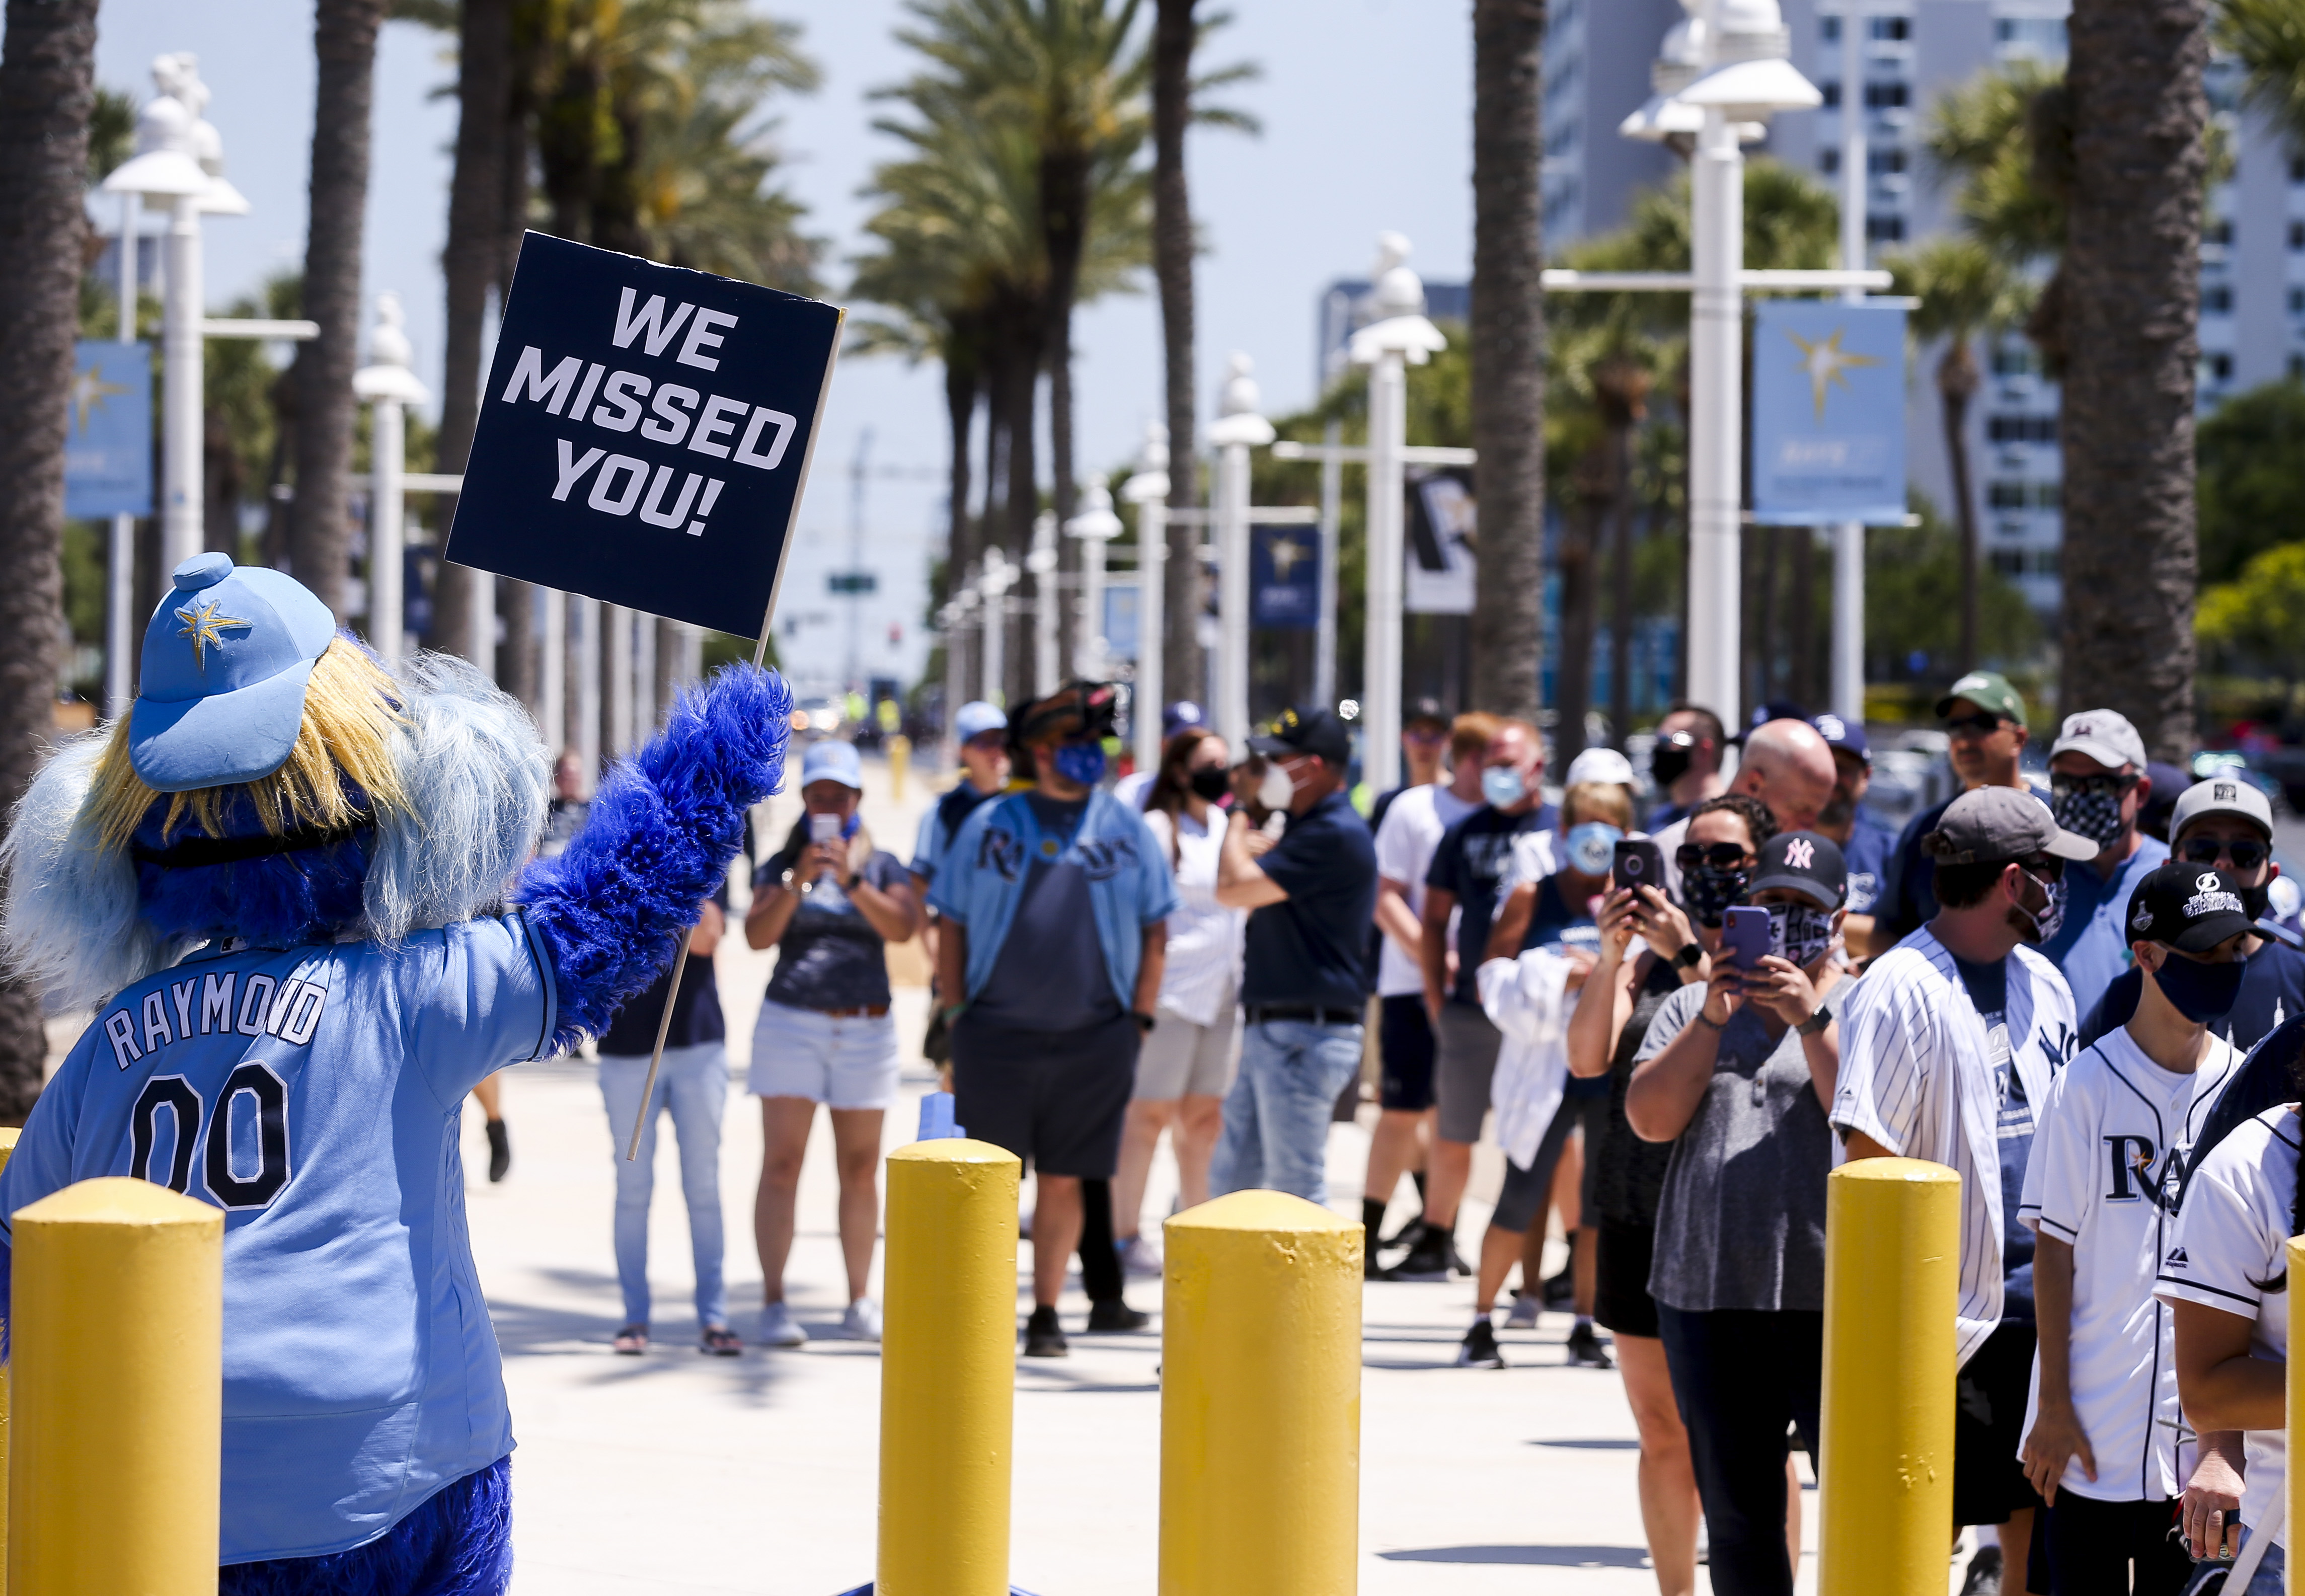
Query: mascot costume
(297, 891)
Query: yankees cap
(1804, 862)
(2188, 908)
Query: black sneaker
(1431, 1256)
(499, 1151)
(1114, 1315)
(1479, 1349)
(1984, 1578)
(1585, 1348)
(1043, 1337)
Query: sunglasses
(1719, 856)
(2046, 868)
(2065, 786)
(1979, 724)
(2245, 855)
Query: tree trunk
(1173, 30)
(2131, 306)
(1507, 345)
(1764, 632)
(469, 262)
(1064, 235)
(46, 92)
(1023, 493)
(1622, 386)
(518, 663)
(567, 146)
(1800, 610)
(344, 39)
(219, 485)
(1573, 685)
(960, 411)
(1957, 384)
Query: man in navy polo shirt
(1867, 845)
(1311, 894)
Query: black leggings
(1740, 1378)
(1100, 1262)
(2093, 1546)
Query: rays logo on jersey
(2135, 1178)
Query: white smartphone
(823, 829)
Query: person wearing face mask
(2225, 825)
(1737, 1074)
(2102, 1434)
(1867, 845)
(1787, 767)
(2098, 786)
(1187, 1064)
(1056, 902)
(1983, 720)
(1305, 978)
(981, 731)
(1469, 872)
(1685, 763)
(1948, 1046)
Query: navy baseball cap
(1179, 714)
(1841, 733)
(225, 660)
(1773, 710)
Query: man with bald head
(1788, 766)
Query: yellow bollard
(1260, 1399)
(900, 760)
(8, 1146)
(947, 1370)
(1893, 1255)
(2294, 1390)
(117, 1387)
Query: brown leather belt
(871, 1011)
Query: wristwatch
(1816, 1024)
(1145, 1022)
(786, 879)
(1689, 958)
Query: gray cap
(2222, 795)
(1994, 825)
(2104, 735)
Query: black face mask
(1707, 893)
(1210, 782)
(1668, 764)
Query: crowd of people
(1675, 1025)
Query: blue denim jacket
(982, 877)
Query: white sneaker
(862, 1322)
(1525, 1310)
(1140, 1259)
(780, 1329)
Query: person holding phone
(1738, 1074)
(829, 903)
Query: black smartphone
(1638, 862)
(1745, 937)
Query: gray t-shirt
(1741, 1221)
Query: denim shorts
(844, 1062)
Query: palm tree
(1508, 345)
(1965, 291)
(344, 39)
(2269, 36)
(1175, 35)
(46, 94)
(2133, 300)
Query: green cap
(1987, 690)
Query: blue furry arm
(657, 841)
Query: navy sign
(644, 435)
(1284, 578)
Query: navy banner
(1284, 578)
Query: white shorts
(849, 1062)
(1178, 1057)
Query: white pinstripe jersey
(1918, 1076)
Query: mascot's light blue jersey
(315, 1094)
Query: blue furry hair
(83, 921)
(456, 1542)
(657, 841)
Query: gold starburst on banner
(1824, 362)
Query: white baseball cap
(1599, 765)
(2222, 795)
(2104, 735)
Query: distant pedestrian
(829, 903)
(1311, 895)
(1187, 1062)
(1134, 788)
(1787, 766)
(981, 731)
(1055, 906)
(1984, 722)
(1685, 762)
(693, 1087)
(2097, 787)
(1867, 845)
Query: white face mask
(1276, 791)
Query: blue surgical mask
(1502, 786)
(1082, 762)
(1592, 847)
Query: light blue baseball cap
(832, 760)
(975, 719)
(225, 660)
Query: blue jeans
(1276, 1118)
(693, 1088)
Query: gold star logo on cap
(205, 627)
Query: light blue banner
(108, 432)
(1828, 413)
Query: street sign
(1828, 413)
(1439, 553)
(1284, 578)
(108, 431)
(645, 434)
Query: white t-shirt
(1920, 1075)
(2233, 1232)
(1132, 788)
(2106, 1171)
(1405, 844)
(1203, 971)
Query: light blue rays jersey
(315, 1094)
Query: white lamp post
(1095, 527)
(1402, 336)
(1148, 490)
(999, 575)
(1848, 537)
(390, 386)
(950, 619)
(552, 670)
(1041, 560)
(1237, 430)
